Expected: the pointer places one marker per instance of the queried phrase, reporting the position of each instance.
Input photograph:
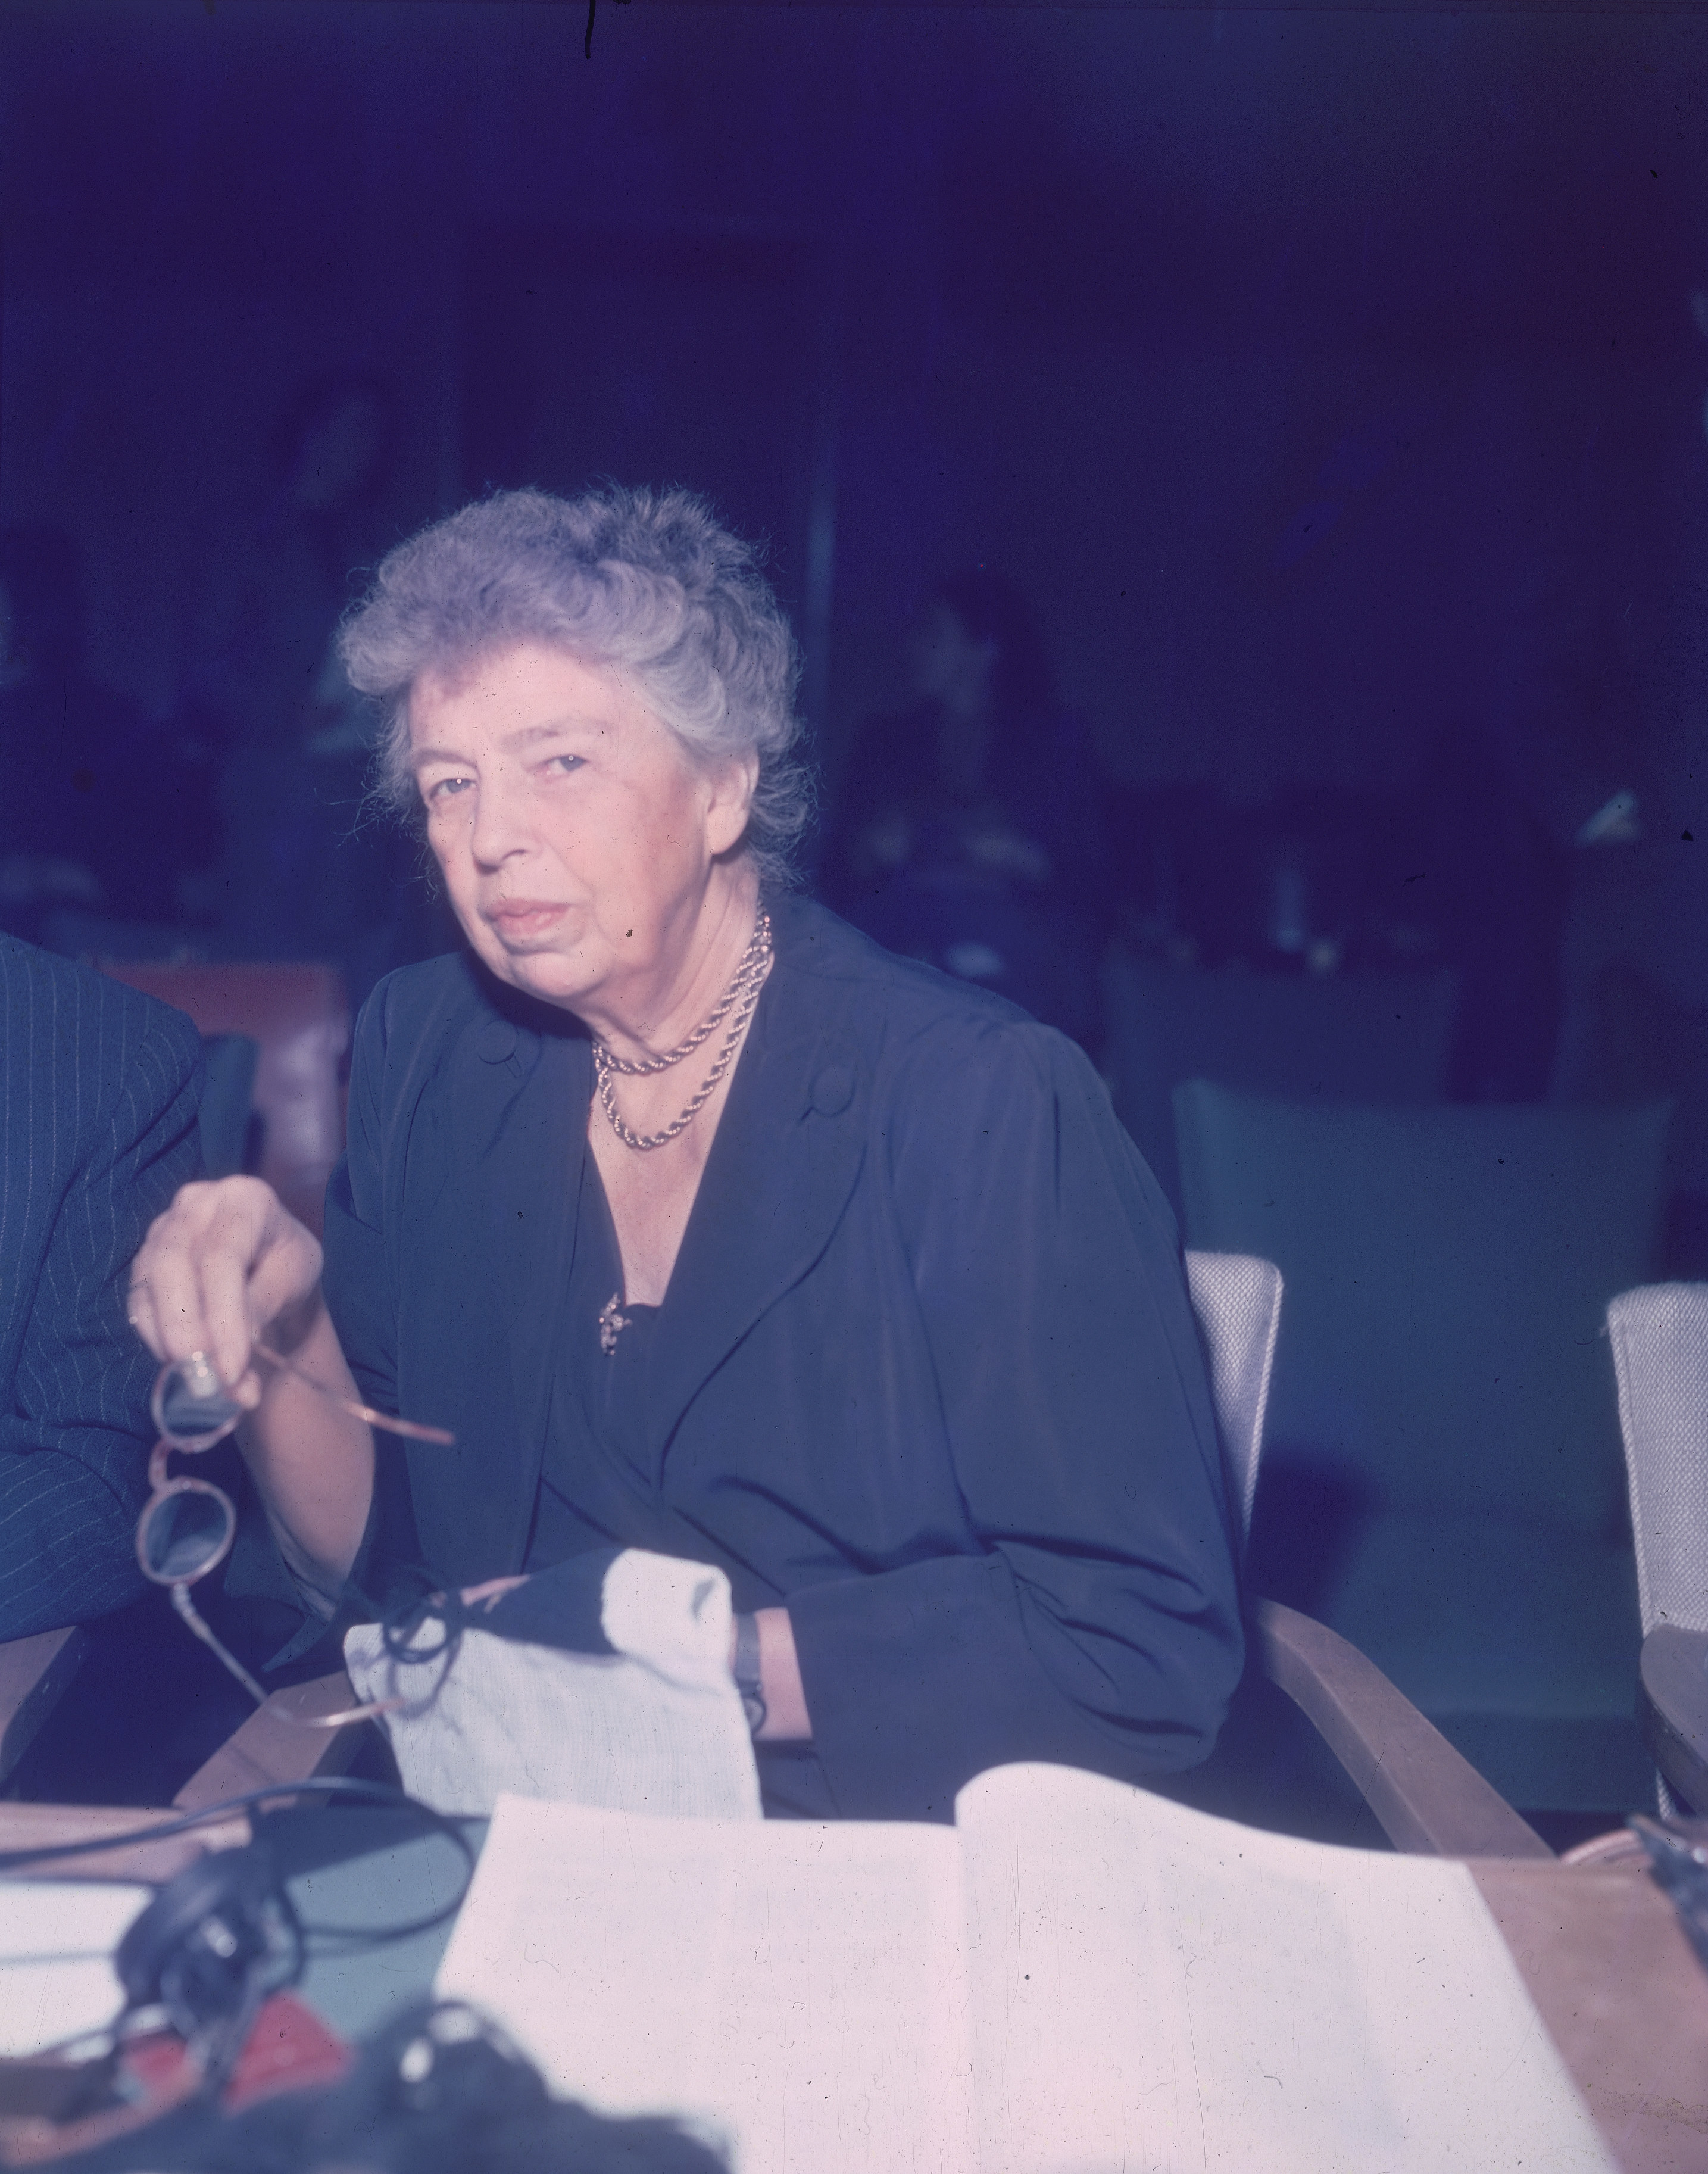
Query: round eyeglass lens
(182, 1535)
(190, 1408)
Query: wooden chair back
(1237, 1300)
(300, 1017)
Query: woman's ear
(732, 797)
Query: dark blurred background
(1325, 386)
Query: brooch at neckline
(612, 1323)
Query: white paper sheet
(56, 1939)
(1157, 1989)
(796, 1988)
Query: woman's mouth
(516, 921)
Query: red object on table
(289, 2050)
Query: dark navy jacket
(927, 1370)
(98, 1094)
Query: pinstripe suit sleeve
(99, 1088)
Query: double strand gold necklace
(736, 1004)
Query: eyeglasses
(187, 1526)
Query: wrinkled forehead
(457, 673)
(524, 692)
(520, 678)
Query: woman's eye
(560, 765)
(444, 788)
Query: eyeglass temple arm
(412, 1428)
(192, 1620)
(186, 1611)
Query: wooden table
(1616, 1982)
(41, 1826)
(1622, 1995)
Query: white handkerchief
(656, 1726)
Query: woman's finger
(139, 1312)
(173, 1313)
(235, 1241)
(286, 1272)
(190, 1278)
(474, 1596)
(228, 1333)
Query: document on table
(800, 1991)
(57, 1942)
(1080, 1978)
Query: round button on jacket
(496, 1041)
(833, 1091)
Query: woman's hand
(223, 1267)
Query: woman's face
(577, 837)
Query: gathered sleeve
(1099, 1623)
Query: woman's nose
(499, 829)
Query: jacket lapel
(527, 1096)
(544, 1165)
(788, 1150)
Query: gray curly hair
(645, 579)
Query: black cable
(15, 1860)
(440, 1602)
(436, 1600)
(223, 1935)
(377, 1935)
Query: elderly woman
(712, 1229)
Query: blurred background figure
(84, 817)
(970, 828)
(302, 871)
(1446, 868)
(1274, 877)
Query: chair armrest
(274, 1746)
(1673, 1708)
(34, 1673)
(44, 1827)
(1429, 1799)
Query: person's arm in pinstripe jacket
(99, 1088)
